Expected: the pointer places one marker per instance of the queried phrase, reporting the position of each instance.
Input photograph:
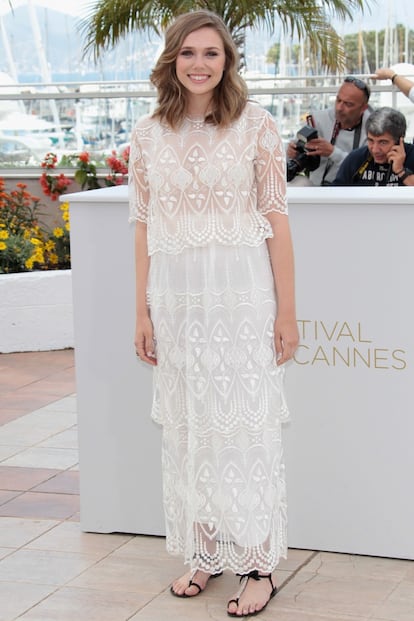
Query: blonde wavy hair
(230, 95)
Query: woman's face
(200, 62)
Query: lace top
(200, 183)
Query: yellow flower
(29, 263)
(38, 255)
(3, 246)
(58, 232)
(4, 235)
(67, 226)
(35, 241)
(64, 206)
(65, 216)
(50, 245)
(53, 258)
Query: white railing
(98, 116)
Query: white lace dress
(218, 393)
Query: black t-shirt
(359, 168)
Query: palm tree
(110, 20)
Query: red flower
(49, 161)
(54, 186)
(125, 154)
(116, 165)
(84, 157)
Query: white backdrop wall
(349, 455)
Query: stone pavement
(50, 570)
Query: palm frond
(110, 20)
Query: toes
(232, 607)
(192, 590)
(180, 585)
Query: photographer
(339, 129)
(386, 160)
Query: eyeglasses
(359, 84)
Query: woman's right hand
(145, 341)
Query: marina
(54, 100)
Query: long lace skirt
(219, 396)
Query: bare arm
(400, 81)
(281, 257)
(144, 333)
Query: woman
(213, 257)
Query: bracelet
(393, 77)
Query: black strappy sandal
(243, 583)
(192, 583)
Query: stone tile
(116, 573)
(358, 596)
(28, 381)
(214, 607)
(275, 612)
(68, 604)
(143, 547)
(410, 573)
(6, 496)
(199, 608)
(349, 565)
(43, 566)
(9, 451)
(39, 505)
(63, 483)
(35, 457)
(47, 390)
(5, 551)
(68, 537)
(399, 606)
(281, 577)
(16, 532)
(62, 383)
(22, 479)
(66, 404)
(9, 414)
(296, 559)
(12, 380)
(41, 363)
(16, 598)
(67, 439)
(25, 398)
(35, 427)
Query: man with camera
(386, 160)
(331, 134)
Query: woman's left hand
(286, 339)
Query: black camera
(303, 160)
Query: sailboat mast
(44, 67)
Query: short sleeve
(270, 169)
(137, 182)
